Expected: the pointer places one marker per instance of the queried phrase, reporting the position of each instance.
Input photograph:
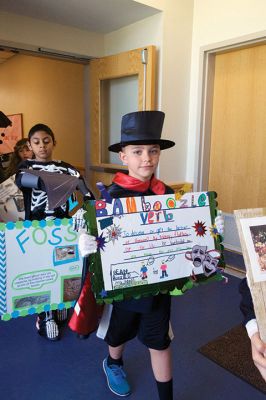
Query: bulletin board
(153, 244)
(11, 134)
(40, 267)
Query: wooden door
(237, 169)
(123, 70)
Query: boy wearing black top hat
(148, 317)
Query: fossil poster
(40, 267)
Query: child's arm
(87, 243)
(84, 190)
(29, 181)
(24, 179)
(258, 347)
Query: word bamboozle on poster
(154, 241)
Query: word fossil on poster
(152, 242)
(40, 267)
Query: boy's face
(42, 146)
(142, 160)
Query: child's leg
(161, 362)
(116, 352)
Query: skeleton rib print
(39, 198)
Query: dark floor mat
(232, 351)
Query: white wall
(160, 4)
(171, 33)
(217, 21)
(147, 32)
(176, 56)
(36, 33)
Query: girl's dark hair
(41, 127)
(15, 158)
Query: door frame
(121, 65)
(205, 100)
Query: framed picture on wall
(10, 135)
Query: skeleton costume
(36, 199)
(37, 190)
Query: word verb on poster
(152, 243)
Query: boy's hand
(87, 243)
(79, 220)
(219, 222)
(258, 348)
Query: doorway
(119, 84)
(233, 128)
(47, 90)
(95, 95)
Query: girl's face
(42, 146)
(142, 160)
(25, 153)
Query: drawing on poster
(254, 232)
(159, 241)
(30, 301)
(65, 254)
(71, 288)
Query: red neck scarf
(130, 183)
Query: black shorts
(151, 328)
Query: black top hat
(142, 127)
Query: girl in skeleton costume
(35, 185)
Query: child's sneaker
(116, 379)
(47, 327)
(61, 316)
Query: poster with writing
(153, 243)
(40, 267)
(11, 201)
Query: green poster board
(153, 244)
